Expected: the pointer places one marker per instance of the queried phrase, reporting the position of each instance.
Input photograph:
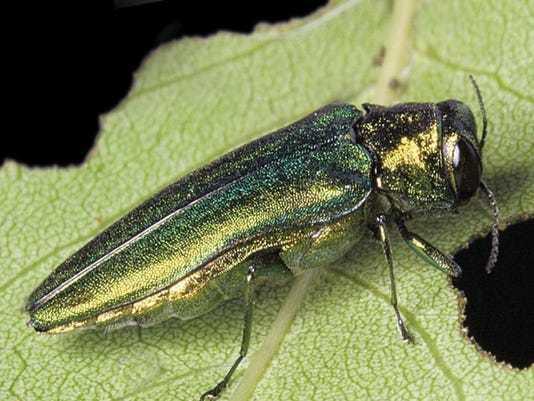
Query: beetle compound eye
(467, 170)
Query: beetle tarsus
(405, 334)
(249, 299)
(213, 393)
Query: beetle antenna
(494, 253)
(483, 111)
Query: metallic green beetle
(293, 200)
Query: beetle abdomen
(312, 174)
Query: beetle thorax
(406, 143)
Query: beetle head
(462, 156)
(461, 151)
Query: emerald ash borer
(296, 199)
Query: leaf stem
(397, 48)
(394, 61)
(261, 359)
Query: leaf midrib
(403, 13)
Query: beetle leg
(249, 300)
(384, 239)
(323, 245)
(430, 253)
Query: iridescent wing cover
(307, 174)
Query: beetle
(296, 199)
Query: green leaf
(335, 336)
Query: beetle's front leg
(249, 300)
(384, 239)
(430, 253)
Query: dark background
(71, 63)
(76, 62)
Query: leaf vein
(413, 323)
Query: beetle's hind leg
(249, 300)
(384, 239)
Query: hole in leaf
(499, 314)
